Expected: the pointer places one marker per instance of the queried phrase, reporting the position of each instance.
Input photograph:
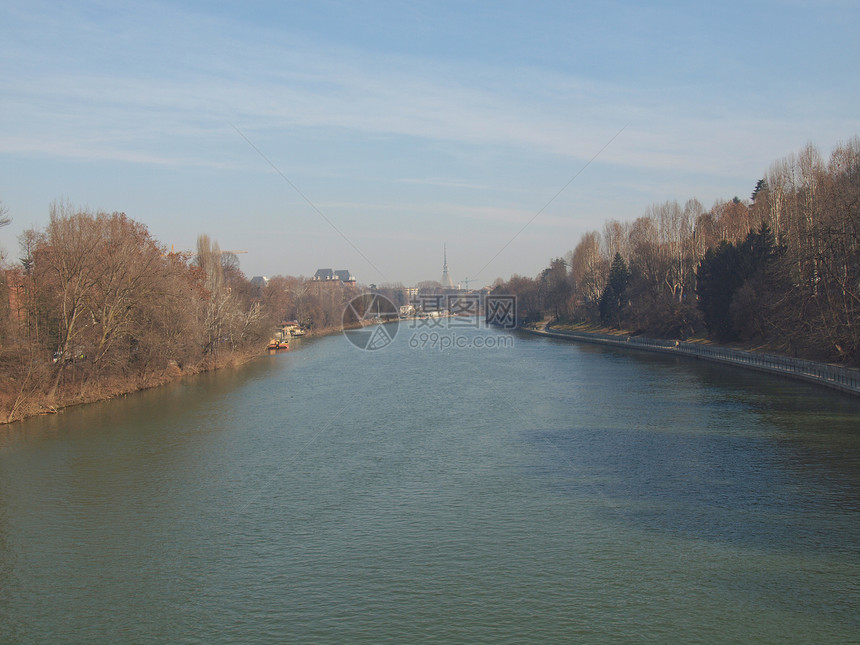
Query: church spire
(446, 278)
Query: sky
(368, 135)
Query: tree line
(779, 270)
(96, 307)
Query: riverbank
(832, 376)
(32, 398)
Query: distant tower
(446, 279)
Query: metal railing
(840, 378)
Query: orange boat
(278, 343)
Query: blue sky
(408, 125)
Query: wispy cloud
(475, 133)
(274, 88)
(439, 181)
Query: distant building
(259, 281)
(324, 274)
(342, 276)
(345, 276)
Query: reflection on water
(544, 492)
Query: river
(502, 489)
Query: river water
(511, 489)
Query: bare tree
(4, 215)
(216, 305)
(615, 237)
(68, 259)
(589, 269)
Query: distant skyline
(369, 134)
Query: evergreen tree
(607, 305)
(724, 270)
(718, 276)
(614, 296)
(760, 187)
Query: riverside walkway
(832, 376)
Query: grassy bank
(36, 394)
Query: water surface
(543, 492)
